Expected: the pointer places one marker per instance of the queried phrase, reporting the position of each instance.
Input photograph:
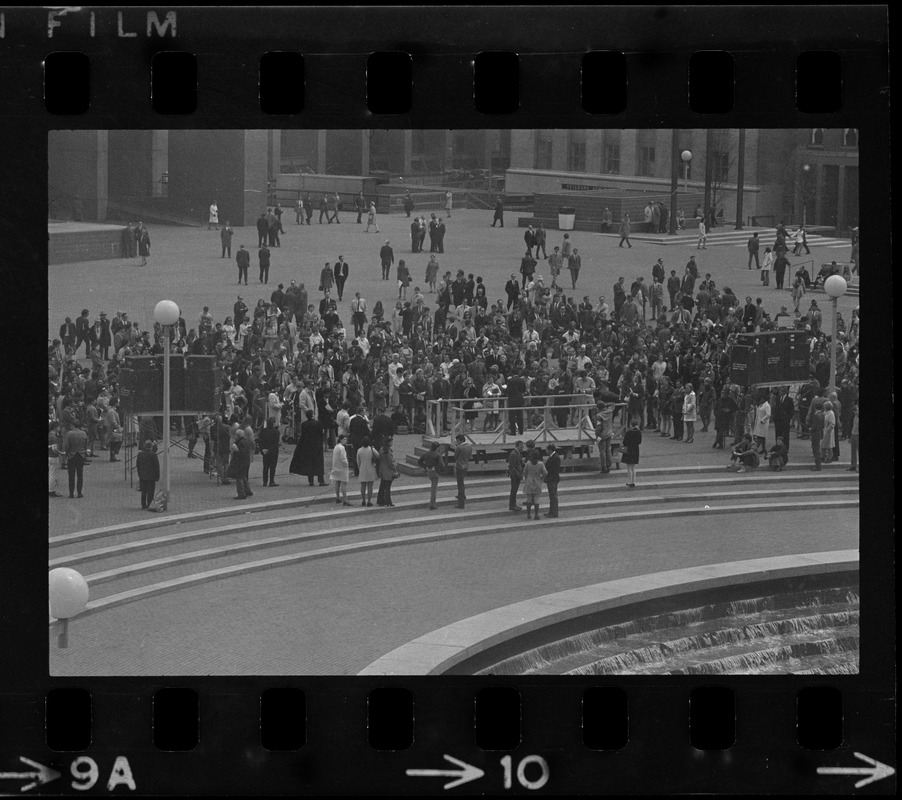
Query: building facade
(775, 184)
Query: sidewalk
(109, 500)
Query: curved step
(398, 541)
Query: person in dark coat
(243, 259)
(308, 453)
(262, 229)
(263, 254)
(383, 428)
(631, 441)
(341, 275)
(269, 447)
(784, 411)
(387, 256)
(148, 463)
(724, 410)
(105, 339)
(240, 464)
(499, 212)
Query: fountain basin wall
(475, 644)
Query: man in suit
(383, 429)
(463, 452)
(515, 473)
(262, 229)
(263, 255)
(341, 275)
(225, 236)
(68, 334)
(512, 290)
(360, 206)
(516, 388)
(530, 238)
(83, 332)
(552, 479)
(241, 463)
(269, 447)
(387, 256)
(243, 259)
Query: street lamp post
(686, 155)
(166, 313)
(806, 171)
(835, 286)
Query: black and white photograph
(427, 401)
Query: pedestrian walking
(225, 236)
(552, 479)
(339, 474)
(702, 236)
(625, 231)
(371, 218)
(263, 257)
(499, 213)
(262, 229)
(534, 474)
(148, 465)
(431, 461)
(387, 257)
(463, 452)
(631, 441)
(753, 244)
(341, 276)
(766, 266)
(214, 216)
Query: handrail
(438, 411)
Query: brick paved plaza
(336, 614)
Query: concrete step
(113, 587)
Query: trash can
(566, 216)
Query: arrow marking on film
(465, 774)
(875, 772)
(41, 774)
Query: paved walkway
(335, 616)
(109, 500)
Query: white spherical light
(166, 312)
(686, 155)
(835, 286)
(68, 593)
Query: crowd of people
(658, 356)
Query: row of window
(645, 160)
(849, 137)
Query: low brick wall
(67, 247)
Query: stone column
(102, 188)
(408, 151)
(628, 163)
(559, 141)
(595, 151)
(321, 151)
(365, 152)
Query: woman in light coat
(339, 474)
(762, 423)
(827, 438)
(766, 266)
(534, 473)
(690, 412)
(367, 459)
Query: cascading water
(811, 632)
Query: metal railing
(542, 418)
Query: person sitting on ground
(777, 456)
(744, 456)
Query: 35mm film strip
(286, 646)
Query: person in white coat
(762, 423)
(214, 216)
(340, 472)
(367, 458)
(690, 412)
